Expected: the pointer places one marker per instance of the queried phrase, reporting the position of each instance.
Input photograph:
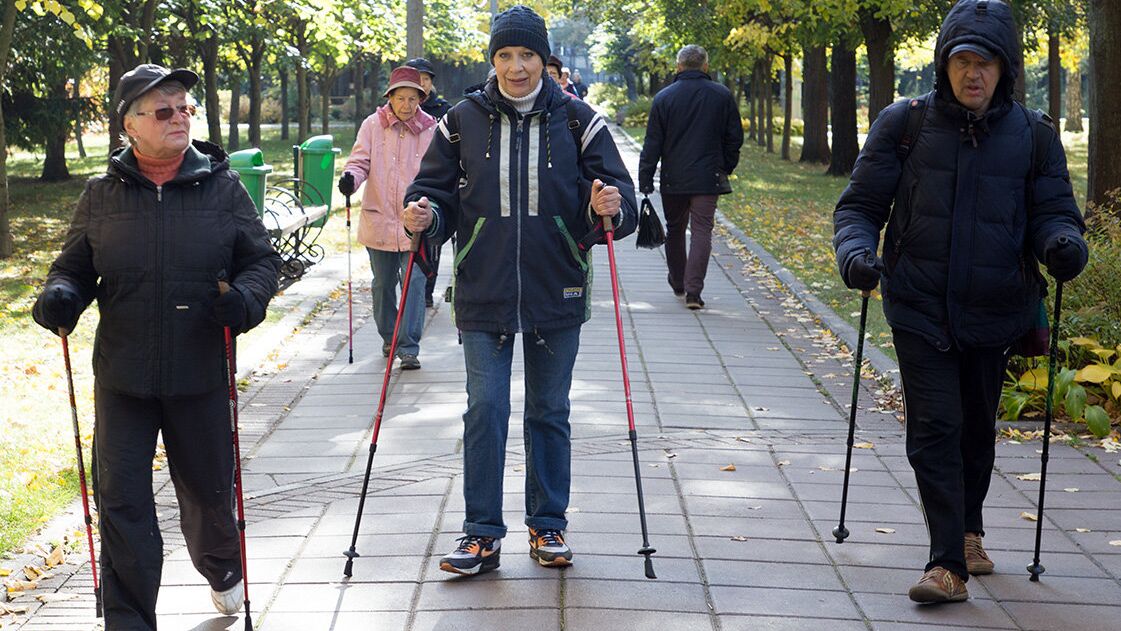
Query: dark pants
(434, 263)
(197, 437)
(696, 212)
(950, 399)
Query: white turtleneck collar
(525, 103)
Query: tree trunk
(881, 63)
(210, 80)
(768, 93)
(235, 114)
(761, 103)
(77, 95)
(752, 130)
(256, 59)
(631, 82)
(1074, 100)
(1104, 18)
(283, 103)
(54, 162)
(325, 103)
(787, 102)
(303, 102)
(846, 145)
(359, 92)
(414, 28)
(815, 106)
(1054, 75)
(375, 84)
(7, 27)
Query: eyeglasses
(165, 113)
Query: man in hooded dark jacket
(971, 209)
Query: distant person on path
(149, 241)
(553, 67)
(386, 156)
(694, 129)
(578, 83)
(565, 84)
(969, 213)
(526, 196)
(435, 106)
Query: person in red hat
(386, 157)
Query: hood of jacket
(201, 160)
(985, 22)
(418, 123)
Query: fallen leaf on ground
(1115, 542)
(32, 572)
(20, 586)
(743, 439)
(1072, 489)
(13, 610)
(783, 463)
(55, 597)
(4, 571)
(886, 531)
(864, 445)
(754, 507)
(1029, 516)
(56, 557)
(1029, 477)
(730, 467)
(1082, 530)
(739, 538)
(671, 455)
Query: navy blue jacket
(694, 129)
(964, 232)
(515, 190)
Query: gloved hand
(646, 189)
(346, 183)
(863, 271)
(229, 310)
(1065, 256)
(58, 307)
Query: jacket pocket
(570, 244)
(461, 255)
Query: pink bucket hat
(405, 77)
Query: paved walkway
(751, 381)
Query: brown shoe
(939, 585)
(976, 561)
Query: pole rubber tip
(646, 551)
(1035, 569)
(348, 569)
(841, 533)
(248, 621)
(97, 604)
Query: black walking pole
(840, 532)
(351, 554)
(1035, 568)
(81, 468)
(645, 550)
(349, 294)
(231, 376)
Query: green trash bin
(316, 167)
(250, 164)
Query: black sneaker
(428, 301)
(547, 547)
(694, 302)
(410, 362)
(474, 555)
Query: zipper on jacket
(159, 291)
(518, 213)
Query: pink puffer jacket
(386, 156)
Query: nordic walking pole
(62, 333)
(840, 532)
(231, 375)
(349, 294)
(351, 553)
(645, 550)
(1035, 569)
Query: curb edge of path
(882, 364)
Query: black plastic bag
(651, 234)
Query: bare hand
(418, 215)
(606, 200)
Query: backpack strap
(574, 124)
(916, 114)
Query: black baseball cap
(983, 51)
(423, 65)
(144, 77)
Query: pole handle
(414, 245)
(865, 293)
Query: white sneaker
(229, 602)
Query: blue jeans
(389, 272)
(549, 357)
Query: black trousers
(950, 401)
(434, 261)
(198, 440)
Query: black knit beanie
(519, 26)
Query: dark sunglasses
(165, 113)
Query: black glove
(346, 183)
(229, 310)
(646, 189)
(58, 307)
(1065, 255)
(863, 271)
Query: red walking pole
(231, 374)
(351, 554)
(81, 468)
(646, 550)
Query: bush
(608, 96)
(638, 113)
(1092, 302)
(797, 127)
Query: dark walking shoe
(694, 302)
(410, 362)
(474, 555)
(939, 585)
(547, 547)
(385, 349)
(977, 562)
(677, 291)
(428, 301)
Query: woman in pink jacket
(386, 156)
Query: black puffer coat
(964, 233)
(152, 256)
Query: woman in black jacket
(149, 241)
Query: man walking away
(694, 130)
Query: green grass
(638, 133)
(37, 462)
